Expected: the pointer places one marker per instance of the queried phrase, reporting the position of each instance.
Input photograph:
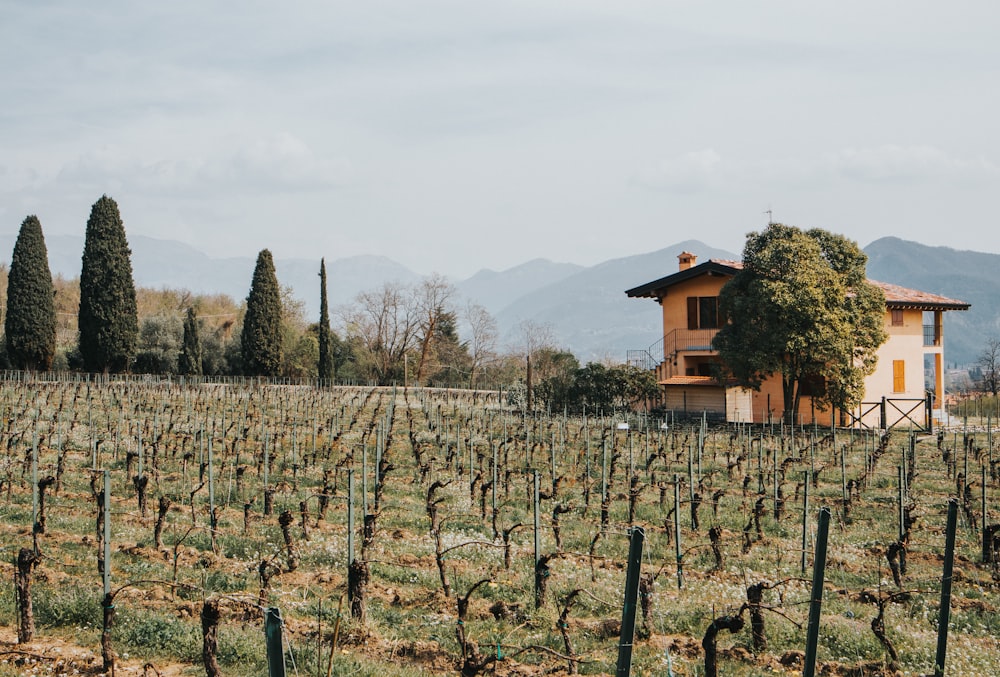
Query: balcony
(932, 335)
(668, 347)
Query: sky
(452, 136)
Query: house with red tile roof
(895, 393)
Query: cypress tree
(189, 361)
(30, 325)
(261, 338)
(325, 369)
(109, 326)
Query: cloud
(892, 163)
(278, 163)
(688, 173)
(706, 170)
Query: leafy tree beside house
(30, 322)
(802, 310)
(189, 362)
(261, 340)
(108, 321)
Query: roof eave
(650, 289)
(927, 305)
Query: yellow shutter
(898, 376)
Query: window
(703, 312)
(898, 376)
(897, 317)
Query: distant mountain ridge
(963, 275)
(588, 311)
(585, 307)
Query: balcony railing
(667, 348)
(932, 335)
(681, 340)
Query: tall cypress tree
(189, 361)
(325, 369)
(109, 326)
(261, 338)
(30, 325)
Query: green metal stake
(816, 600)
(350, 517)
(34, 484)
(107, 533)
(946, 580)
(805, 520)
(275, 646)
(538, 554)
(901, 500)
(677, 533)
(211, 487)
(637, 537)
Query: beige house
(895, 394)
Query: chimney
(686, 260)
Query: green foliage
(158, 345)
(801, 309)
(219, 356)
(149, 634)
(30, 323)
(108, 320)
(302, 355)
(325, 364)
(261, 340)
(71, 606)
(189, 362)
(595, 387)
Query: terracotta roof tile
(689, 381)
(897, 295)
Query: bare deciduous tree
(384, 324)
(482, 339)
(431, 298)
(989, 364)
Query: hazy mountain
(585, 307)
(589, 312)
(962, 275)
(167, 263)
(496, 290)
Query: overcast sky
(455, 136)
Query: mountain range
(584, 307)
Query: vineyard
(154, 527)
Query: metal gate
(895, 412)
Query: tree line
(415, 334)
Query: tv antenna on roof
(770, 220)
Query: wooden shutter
(898, 376)
(692, 312)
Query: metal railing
(678, 340)
(932, 335)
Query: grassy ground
(239, 449)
